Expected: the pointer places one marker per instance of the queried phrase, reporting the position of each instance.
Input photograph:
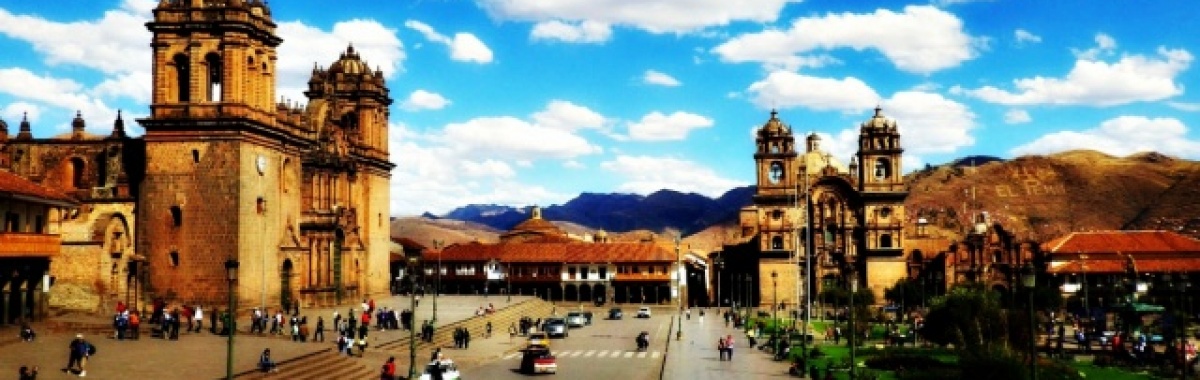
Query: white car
(449, 370)
(576, 319)
(643, 312)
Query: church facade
(297, 195)
(845, 221)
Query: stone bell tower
(214, 147)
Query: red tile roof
(1112, 251)
(1126, 242)
(17, 187)
(572, 252)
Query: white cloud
(573, 164)
(424, 100)
(1120, 136)
(1182, 106)
(63, 93)
(1024, 36)
(1017, 116)
(16, 111)
(647, 174)
(487, 168)
(922, 39)
(570, 117)
(1134, 78)
(108, 45)
(656, 126)
(655, 16)
(512, 138)
(659, 78)
(464, 47)
(580, 32)
(783, 89)
(1105, 46)
(944, 126)
(305, 45)
(433, 174)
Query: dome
(349, 63)
(773, 126)
(878, 121)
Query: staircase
(318, 365)
(327, 364)
(501, 320)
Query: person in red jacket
(389, 369)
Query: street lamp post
(775, 297)
(720, 263)
(1029, 281)
(679, 289)
(231, 272)
(437, 285)
(853, 332)
(412, 328)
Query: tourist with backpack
(79, 351)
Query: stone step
(323, 364)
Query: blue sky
(522, 102)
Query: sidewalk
(202, 355)
(695, 357)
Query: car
(576, 319)
(555, 327)
(448, 369)
(643, 312)
(615, 313)
(539, 339)
(538, 359)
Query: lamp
(231, 273)
(775, 296)
(1029, 282)
(853, 332)
(412, 328)
(720, 264)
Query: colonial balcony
(642, 277)
(17, 244)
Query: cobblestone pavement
(203, 355)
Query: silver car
(576, 319)
(555, 327)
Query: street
(604, 350)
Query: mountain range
(1037, 197)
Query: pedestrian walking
(79, 351)
(198, 315)
(729, 346)
(721, 348)
(319, 335)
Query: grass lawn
(1093, 372)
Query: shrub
(894, 361)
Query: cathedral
(296, 195)
(810, 211)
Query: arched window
(777, 242)
(76, 173)
(174, 258)
(883, 168)
(885, 241)
(213, 61)
(183, 73)
(176, 215)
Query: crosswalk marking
(602, 354)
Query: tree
(969, 317)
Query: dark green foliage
(969, 317)
(893, 361)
